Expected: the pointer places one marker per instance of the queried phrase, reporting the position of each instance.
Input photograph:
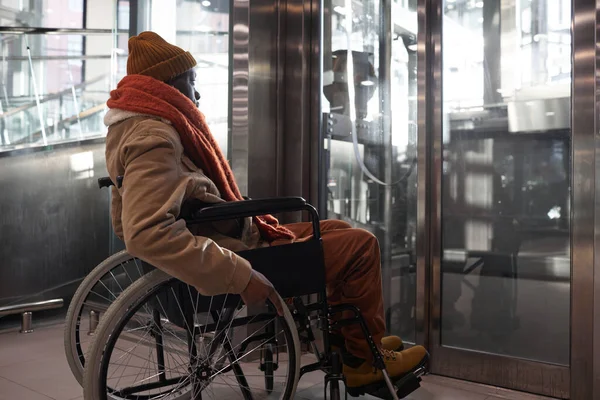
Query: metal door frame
(581, 380)
(276, 94)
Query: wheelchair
(98, 290)
(159, 338)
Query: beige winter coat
(157, 179)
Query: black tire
(76, 339)
(125, 308)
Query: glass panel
(53, 90)
(371, 174)
(66, 14)
(56, 91)
(506, 178)
(44, 13)
(203, 30)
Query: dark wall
(54, 221)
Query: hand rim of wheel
(129, 298)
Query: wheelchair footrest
(404, 385)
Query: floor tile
(41, 343)
(503, 395)
(37, 361)
(33, 367)
(12, 391)
(494, 392)
(317, 392)
(431, 391)
(50, 376)
(428, 391)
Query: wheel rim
(105, 286)
(213, 371)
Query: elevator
(461, 134)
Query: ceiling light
(339, 10)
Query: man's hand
(259, 289)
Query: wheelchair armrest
(252, 208)
(249, 208)
(107, 182)
(104, 182)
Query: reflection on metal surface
(239, 92)
(94, 317)
(55, 223)
(318, 15)
(82, 164)
(31, 307)
(298, 82)
(26, 322)
(370, 140)
(539, 115)
(263, 142)
(26, 310)
(424, 122)
(501, 175)
(595, 354)
(584, 316)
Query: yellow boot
(392, 343)
(397, 364)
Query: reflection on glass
(60, 95)
(370, 150)
(203, 30)
(506, 178)
(43, 13)
(74, 69)
(53, 87)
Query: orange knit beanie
(151, 55)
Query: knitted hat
(151, 55)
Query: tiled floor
(33, 367)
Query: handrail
(25, 309)
(73, 118)
(51, 96)
(30, 307)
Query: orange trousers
(353, 276)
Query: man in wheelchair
(159, 142)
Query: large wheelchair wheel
(95, 294)
(162, 340)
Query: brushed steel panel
(238, 81)
(54, 221)
(263, 145)
(514, 373)
(583, 181)
(424, 129)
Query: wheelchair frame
(302, 284)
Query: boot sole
(405, 384)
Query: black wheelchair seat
(295, 269)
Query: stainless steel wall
(276, 98)
(54, 221)
(584, 368)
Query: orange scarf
(145, 95)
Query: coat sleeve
(153, 191)
(116, 213)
